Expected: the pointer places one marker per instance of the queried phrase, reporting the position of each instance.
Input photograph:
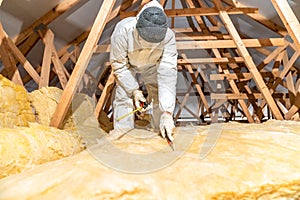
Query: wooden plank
(106, 91)
(250, 43)
(184, 45)
(143, 3)
(199, 20)
(29, 43)
(46, 19)
(163, 2)
(21, 58)
(235, 89)
(183, 102)
(197, 85)
(267, 23)
(59, 68)
(250, 65)
(185, 12)
(212, 19)
(199, 36)
(240, 96)
(231, 2)
(210, 60)
(48, 39)
(289, 64)
(294, 108)
(271, 56)
(82, 63)
(237, 76)
(7, 58)
(79, 39)
(9, 63)
(285, 70)
(289, 20)
(173, 19)
(291, 88)
(190, 20)
(263, 20)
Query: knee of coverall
(152, 90)
(122, 104)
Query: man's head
(152, 24)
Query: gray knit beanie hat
(152, 24)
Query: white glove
(138, 97)
(166, 125)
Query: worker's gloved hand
(167, 125)
(139, 100)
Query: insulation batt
(15, 108)
(25, 143)
(46, 99)
(248, 161)
(22, 148)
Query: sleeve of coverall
(119, 63)
(167, 76)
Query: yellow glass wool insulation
(15, 108)
(22, 148)
(248, 161)
(45, 100)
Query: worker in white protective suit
(144, 45)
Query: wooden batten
(48, 39)
(213, 44)
(196, 12)
(105, 93)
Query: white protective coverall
(155, 62)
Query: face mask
(146, 44)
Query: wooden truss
(237, 87)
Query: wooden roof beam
(249, 63)
(289, 20)
(82, 37)
(196, 12)
(264, 21)
(181, 45)
(18, 55)
(199, 20)
(81, 65)
(46, 19)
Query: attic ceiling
(16, 15)
(261, 57)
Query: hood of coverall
(152, 22)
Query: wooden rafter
(82, 37)
(46, 19)
(235, 89)
(289, 20)
(11, 47)
(248, 60)
(80, 67)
